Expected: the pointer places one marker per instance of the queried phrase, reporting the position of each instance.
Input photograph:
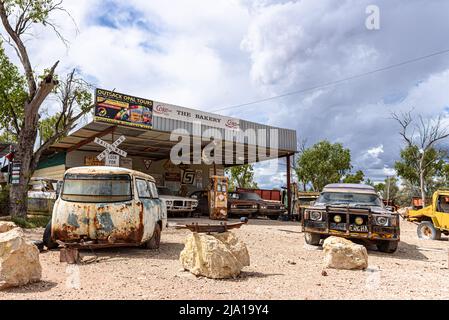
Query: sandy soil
(282, 267)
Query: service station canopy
(147, 126)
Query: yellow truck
(432, 220)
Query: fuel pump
(218, 198)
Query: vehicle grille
(353, 227)
(245, 206)
(178, 203)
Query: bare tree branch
(21, 50)
(404, 120)
(430, 132)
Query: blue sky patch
(119, 15)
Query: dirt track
(282, 267)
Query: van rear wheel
(155, 240)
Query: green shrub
(32, 222)
(4, 200)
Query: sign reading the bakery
(169, 111)
(118, 108)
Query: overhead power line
(332, 83)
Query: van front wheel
(155, 240)
(48, 242)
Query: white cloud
(376, 151)
(210, 55)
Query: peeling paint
(115, 223)
(72, 220)
(106, 221)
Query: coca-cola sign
(231, 124)
(161, 109)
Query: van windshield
(97, 188)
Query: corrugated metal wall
(56, 172)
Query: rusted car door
(150, 204)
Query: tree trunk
(19, 192)
(421, 181)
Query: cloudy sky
(211, 55)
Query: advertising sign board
(118, 108)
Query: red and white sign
(169, 111)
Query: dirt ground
(282, 267)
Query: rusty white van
(106, 207)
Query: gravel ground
(282, 267)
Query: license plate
(338, 226)
(356, 228)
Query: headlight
(169, 203)
(233, 206)
(337, 219)
(394, 221)
(255, 206)
(381, 221)
(195, 203)
(315, 215)
(359, 221)
(263, 207)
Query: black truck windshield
(356, 199)
(249, 196)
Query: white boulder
(6, 226)
(19, 258)
(340, 253)
(216, 256)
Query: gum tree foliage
(357, 177)
(22, 109)
(241, 177)
(322, 164)
(388, 189)
(421, 159)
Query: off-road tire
(312, 239)
(426, 230)
(155, 240)
(387, 246)
(48, 242)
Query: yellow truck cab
(106, 207)
(433, 219)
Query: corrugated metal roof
(156, 143)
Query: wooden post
(289, 187)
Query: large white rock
(216, 256)
(19, 259)
(340, 253)
(5, 226)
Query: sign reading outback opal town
(122, 109)
(169, 111)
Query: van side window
(143, 189)
(153, 190)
